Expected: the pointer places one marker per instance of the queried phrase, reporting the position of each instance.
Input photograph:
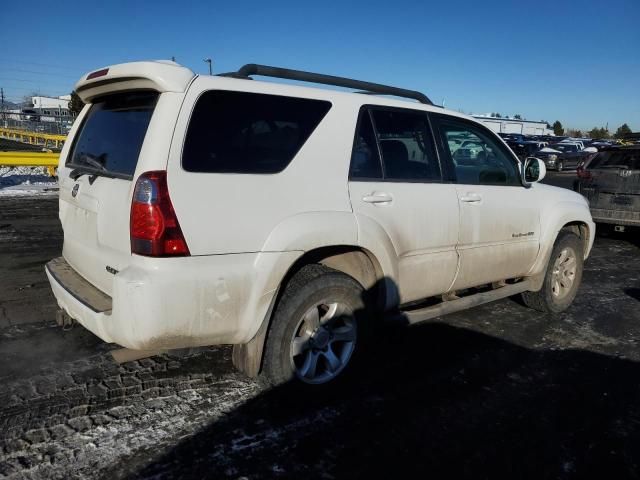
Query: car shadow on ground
(630, 235)
(633, 293)
(431, 400)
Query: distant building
(513, 125)
(51, 109)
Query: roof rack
(368, 87)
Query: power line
(61, 67)
(42, 73)
(26, 80)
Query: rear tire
(562, 278)
(317, 329)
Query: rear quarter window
(241, 132)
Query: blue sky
(576, 61)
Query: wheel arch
(582, 231)
(351, 260)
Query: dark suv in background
(563, 156)
(524, 149)
(611, 183)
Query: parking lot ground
(497, 391)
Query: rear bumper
(170, 303)
(616, 217)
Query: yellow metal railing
(33, 138)
(30, 159)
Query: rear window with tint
(113, 131)
(240, 132)
(617, 159)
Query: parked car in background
(602, 144)
(525, 149)
(572, 141)
(565, 156)
(611, 182)
(550, 157)
(513, 137)
(30, 115)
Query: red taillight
(583, 173)
(154, 227)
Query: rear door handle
(377, 198)
(471, 197)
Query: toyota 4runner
(201, 210)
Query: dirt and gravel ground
(497, 391)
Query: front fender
(553, 218)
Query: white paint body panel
(231, 213)
(499, 233)
(421, 225)
(244, 232)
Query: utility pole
(4, 117)
(208, 60)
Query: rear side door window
(477, 157)
(365, 157)
(394, 145)
(242, 132)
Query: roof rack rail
(368, 87)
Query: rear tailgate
(120, 133)
(614, 184)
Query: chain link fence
(37, 122)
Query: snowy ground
(27, 181)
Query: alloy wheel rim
(323, 342)
(563, 275)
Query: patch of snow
(27, 181)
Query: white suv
(202, 210)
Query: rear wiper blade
(95, 167)
(94, 161)
(94, 173)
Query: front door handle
(471, 197)
(377, 198)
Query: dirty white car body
(245, 232)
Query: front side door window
(478, 157)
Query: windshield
(112, 133)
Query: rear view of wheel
(315, 332)
(563, 276)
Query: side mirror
(534, 170)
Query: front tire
(562, 278)
(316, 331)
(560, 166)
